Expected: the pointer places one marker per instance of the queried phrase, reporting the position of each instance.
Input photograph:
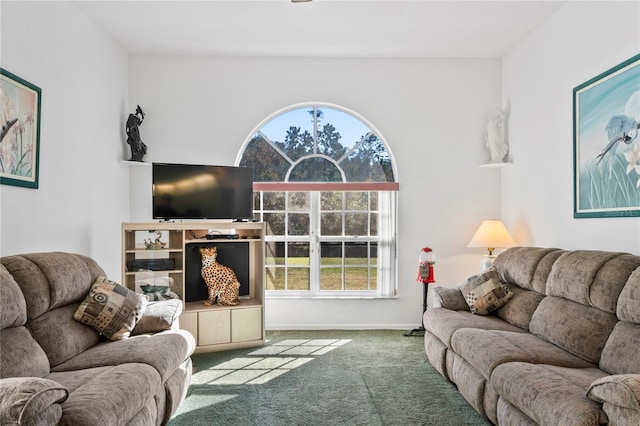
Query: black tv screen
(190, 191)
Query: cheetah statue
(222, 284)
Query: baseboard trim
(275, 327)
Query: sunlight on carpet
(267, 363)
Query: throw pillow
(158, 316)
(111, 308)
(485, 292)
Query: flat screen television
(190, 191)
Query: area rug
(333, 377)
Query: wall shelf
(495, 165)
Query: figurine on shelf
(495, 137)
(155, 244)
(138, 148)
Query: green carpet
(332, 377)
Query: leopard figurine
(222, 283)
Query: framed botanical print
(606, 146)
(20, 138)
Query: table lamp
(491, 234)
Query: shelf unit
(214, 327)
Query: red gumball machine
(426, 276)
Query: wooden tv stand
(214, 327)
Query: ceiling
(320, 28)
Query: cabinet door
(189, 321)
(214, 327)
(246, 324)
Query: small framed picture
(20, 138)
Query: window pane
(268, 164)
(369, 163)
(330, 224)
(256, 200)
(355, 223)
(356, 279)
(373, 223)
(298, 223)
(373, 279)
(298, 201)
(275, 278)
(331, 201)
(357, 201)
(331, 279)
(356, 254)
(274, 201)
(298, 279)
(373, 199)
(298, 254)
(275, 223)
(292, 131)
(331, 253)
(349, 127)
(275, 253)
(315, 170)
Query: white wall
(83, 192)
(582, 40)
(431, 112)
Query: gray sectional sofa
(563, 350)
(55, 369)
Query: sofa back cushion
(527, 267)
(20, 355)
(52, 285)
(592, 278)
(621, 354)
(576, 328)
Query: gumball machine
(426, 276)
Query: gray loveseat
(57, 370)
(564, 350)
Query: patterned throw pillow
(485, 292)
(111, 309)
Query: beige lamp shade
(491, 234)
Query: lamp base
(487, 262)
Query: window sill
(344, 297)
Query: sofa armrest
(620, 398)
(450, 298)
(621, 389)
(159, 316)
(31, 401)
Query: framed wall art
(606, 146)
(20, 138)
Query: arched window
(325, 184)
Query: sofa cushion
(14, 307)
(60, 336)
(24, 399)
(527, 267)
(164, 351)
(621, 355)
(20, 354)
(591, 278)
(442, 323)
(628, 308)
(50, 280)
(550, 395)
(576, 328)
(521, 307)
(112, 397)
(484, 293)
(486, 349)
(111, 309)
